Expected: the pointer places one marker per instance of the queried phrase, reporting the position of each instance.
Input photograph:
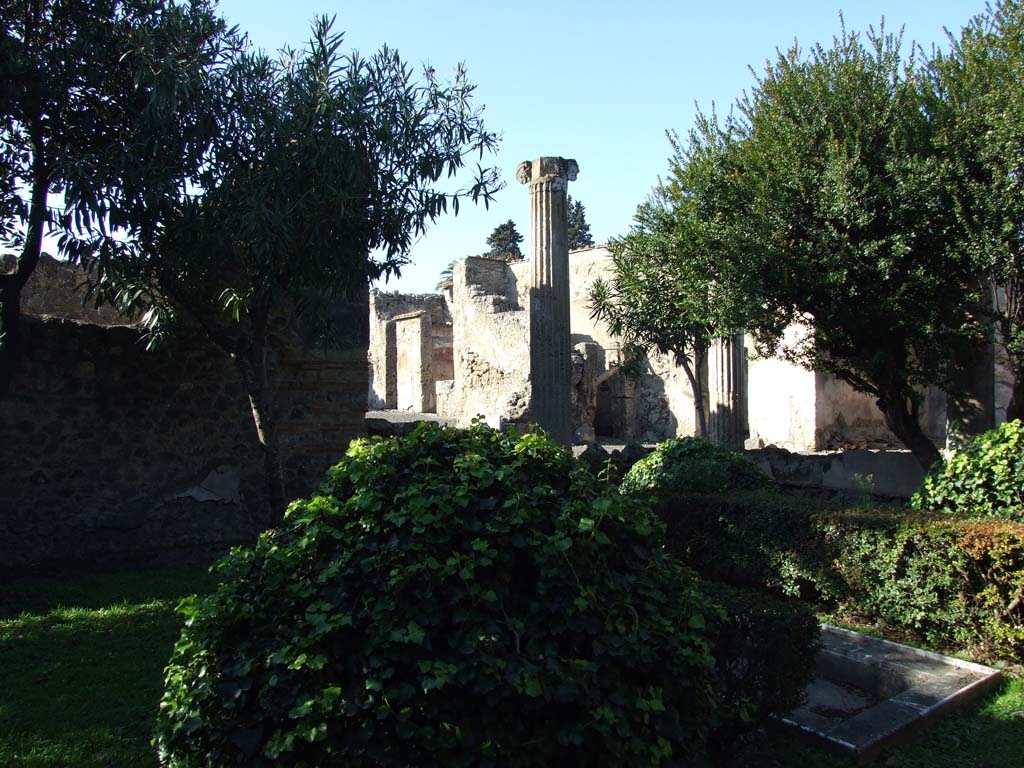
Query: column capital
(546, 169)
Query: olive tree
(978, 105)
(321, 168)
(821, 201)
(831, 200)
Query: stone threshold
(869, 694)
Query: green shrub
(985, 476)
(952, 581)
(454, 598)
(692, 465)
(756, 539)
(764, 655)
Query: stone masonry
(111, 454)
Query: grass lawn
(81, 661)
(81, 666)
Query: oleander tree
(322, 168)
(664, 292)
(80, 84)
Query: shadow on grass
(81, 666)
(39, 594)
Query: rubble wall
(491, 348)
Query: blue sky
(597, 81)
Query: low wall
(853, 474)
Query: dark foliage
(454, 598)
(578, 233)
(764, 655)
(952, 581)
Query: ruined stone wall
(413, 340)
(111, 454)
(491, 349)
(786, 405)
(382, 391)
(490, 324)
(585, 266)
(663, 401)
(800, 410)
(56, 289)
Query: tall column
(550, 350)
(726, 363)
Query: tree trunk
(697, 387)
(11, 284)
(904, 423)
(252, 364)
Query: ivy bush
(985, 476)
(453, 598)
(951, 581)
(692, 465)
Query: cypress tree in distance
(579, 229)
(504, 243)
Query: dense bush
(985, 476)
(764, 654)
(454, 598)
(692, 465)
(951, 580)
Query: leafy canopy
(821, 203)
(91, 100)
(323, 167)
(978, 104)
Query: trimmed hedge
(453, 598)
(984, 477)
(692, 465)
(950, 580)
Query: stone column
(726, 359)
(550, 350)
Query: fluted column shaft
(726, 389)
(550, 348)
